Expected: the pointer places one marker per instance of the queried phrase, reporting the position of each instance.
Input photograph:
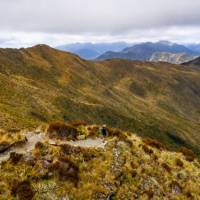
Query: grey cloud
(55, 22)
(96, 16)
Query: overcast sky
(56, 22)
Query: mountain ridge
(144, 51)
(41, 84)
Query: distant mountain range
(162, 51)
(158, 51)
(194, 47)
(90, 51)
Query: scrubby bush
(82, 130)
(86, 154)
(93, 131)
(62, 130)
(67, 149)
(116, 133)
(78, 123)
(189, 155)
(166, 167)
(65, 169)
(15, 157)
(23, 190)
(179, 162)
(146, 149)
(153, 143)
(41, 149)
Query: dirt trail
(86, 143)
(34, 138)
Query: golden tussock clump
(153, 143)
(189, 155)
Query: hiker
(104, 132)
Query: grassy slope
(41, 84)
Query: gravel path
(34, 138)
(94, 143)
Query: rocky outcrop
(174, 58)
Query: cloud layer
(99, 19)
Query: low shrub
(92, 134)
(189, 155)
(166, 167)
(86, 154)
(78, 123)
(179, 162)
(62, 130)
(66, 170)
(67, 149)
(15, 157)
(93, 131)
(153, 143)
(116, 133)
(39, 145)
(146, 149)
(23, 190)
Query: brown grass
(153, 143)
(179, 162)
(78, 123)
(189, 155)
(113, 132)
(15, 157)
(87, 154)
(146, 149)
(93, 131)
(166, 167)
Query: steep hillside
(194, 63)
(125, 167)
(145, 51)
(41, 84)
(175, 58)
